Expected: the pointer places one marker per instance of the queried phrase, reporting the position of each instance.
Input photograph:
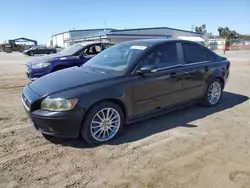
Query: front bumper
(59, 124)
(33, 74)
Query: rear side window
(193, 53)
(209, 56)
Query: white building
(68, 38)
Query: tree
(228, 34)
(201, 29)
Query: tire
(50, 52)
(104, 129)
(8, 50)
(213, 98)
(31, 53)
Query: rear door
(196, 68)
(160, 88)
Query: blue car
(75, 55)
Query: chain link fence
(229, 45)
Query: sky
(40, 19)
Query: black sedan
(127, 82)
(39, 50)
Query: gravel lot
(195, 147)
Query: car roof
(94, 42)
(152, 42)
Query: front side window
(107, 45)
(163, 56)
(93, 50)
(72, 49)
(116, 58)
(193, 53)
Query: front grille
(26, 102)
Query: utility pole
(192, 27)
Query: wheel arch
(216, 75)
(59, 66)
(32, 51)
(113, 100)
(221, 79)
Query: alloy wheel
(105, 124)
(214, 93)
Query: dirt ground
(195, 147)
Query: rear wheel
(213, 93)
(102, 123)
(8, 50)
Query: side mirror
(82, 55)
(146, 69)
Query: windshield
(72, 49)
(116, 58)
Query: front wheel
(102, 123)
(213, 93)
(31, 53)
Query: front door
(160, 88)
(41, 50)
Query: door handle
(206, 69)
(173, 75)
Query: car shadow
(151, 126)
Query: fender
(216, 72)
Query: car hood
(67, 79)
(51, 58)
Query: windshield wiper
(96, 70)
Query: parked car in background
(194, 39)
(39, 50)
(75, 55)
(128, 82)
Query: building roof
(92, 29)
(197, 39)
(139, 35)
(84, 30)
(91, 35)
(114, 32)
(149, 28)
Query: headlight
(41, 65)
(58, 104)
